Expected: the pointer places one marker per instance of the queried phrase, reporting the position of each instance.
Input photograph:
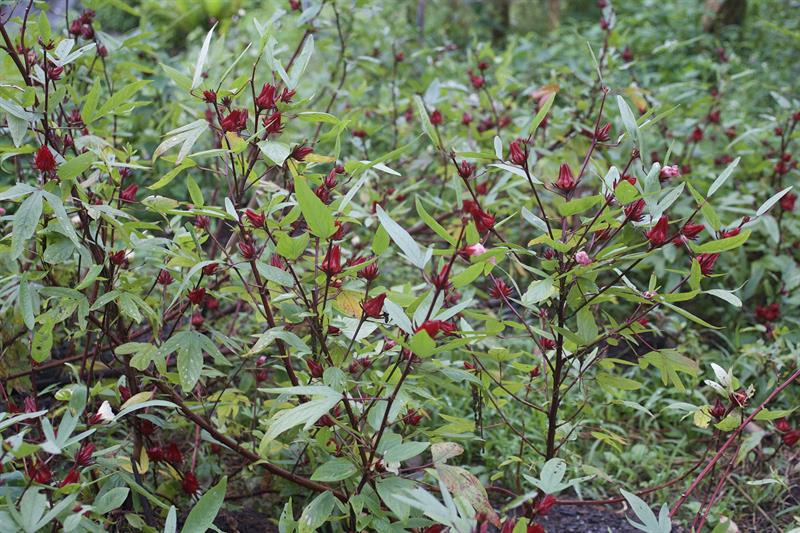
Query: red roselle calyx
(164, 278)
(436, 117)
(369, 272)
(84, 455)
(190, 484)
(706, 262)
(658, 234)
(196, 295)
(256, 219)
(128, 194)
(518, 152)
(247, 249)
(466, 169)
(44, 160)
(236, 121)
(315, 369)
(566, 181)
(332, 264)
(500, 289)
(373, 307)
(266, 98)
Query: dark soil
(244, 521)
(584, 519)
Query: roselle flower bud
(691, 231)
(657, 235)
(44, 160)
(333, 330)
(782, 425)
(545, 505)
(369, 272)
(202, 222)
(697, 134)
(155, 454)
(412, 417)
(332, 263)
(323, 194)
(173, 454)
(102, 51)
(75, 27)
(197, 320)
(476, 249)
(373, 307)
(40, 473)
(164, 278)
(768, 313)
(300, 152)
(330, 180)
(549, 253)
(431, 327)
(476, 81)
(466, 169)
(124, 393)
(87, 32)
(247, 249)
(71, 477)
(787, 201)
(500, 290)
(535, 372)
(210, 97)
(359, 133)
(256, 219)
(466, 119)
(469, 206)
(441, 280)
(266, 98)
(436, 117)
(582, 258)
(117, 258)
(546, 344)
(668, 172)
(210, 269)
(399, 57)
(518, 152)
(714, 116)
(196, 295)
(146, 427)
(189, 483)
(604, 24)
(602, 134)
(235, 121)
(482, 65)
(272, 123)
(566, 182)
(718, 410)
(730, 133)
(54, 73)
(733, 232)
(128, 194)
(790, 438)
(468, 365)
(315, 369)
(287, 95)
(627, 54)
(778, 132)
(68, 141)
(481, 188)
(483, 220)
(84, 455)
(706, 262)
(635, 210)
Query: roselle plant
(397, 291)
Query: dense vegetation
(398, 266)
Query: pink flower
(668, 172)
(583, 258)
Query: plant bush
(387, 280)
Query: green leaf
(579, 205)
(292, 247)
(543, 110)
(421, 344)
(42, 340)
(728, 296)
(391, 490)
(465, 277)
(121, 98)
(695, 275)
(26, 220)
(433, 224)
(722, 245)
(670, 363)
(403, 240)
(425, 120)
(167, 178)
(316, 513)
(610, 382)
(336, 469)
(202, 515)
(538, 291)
(275, 151)
(587, 328)
(201, 59)
(720, 181)
(766, 206)
(318, 215)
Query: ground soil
(585, 519)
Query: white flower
(104, 414)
